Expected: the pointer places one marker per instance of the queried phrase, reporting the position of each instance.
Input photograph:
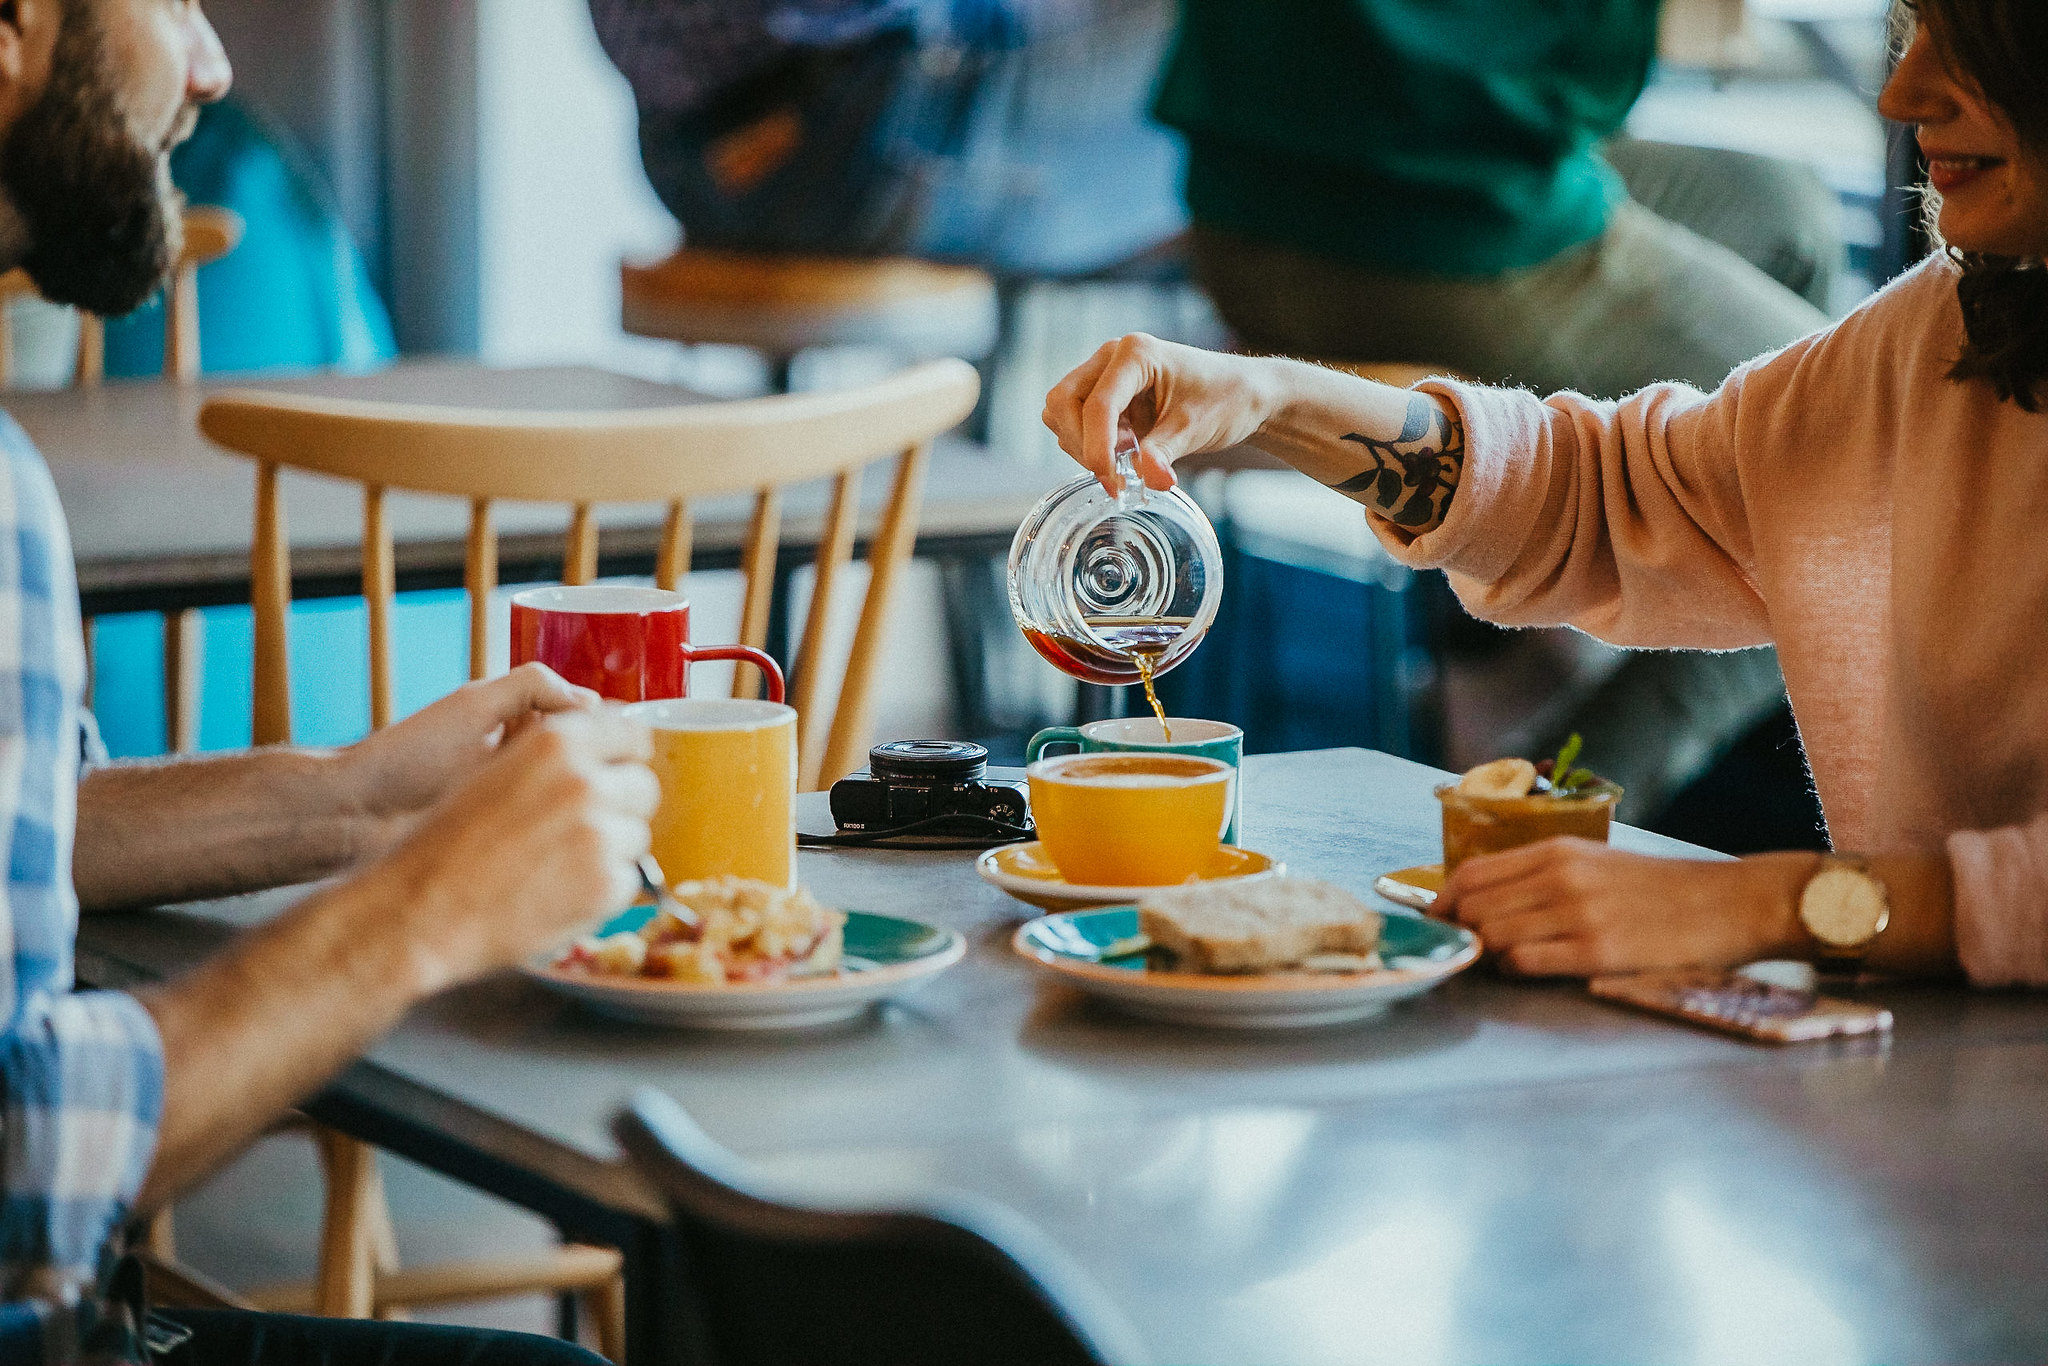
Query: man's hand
(1574, 908)
(1173, 400)
(540, 842)
(537, 844)
(395, 774)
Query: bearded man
(469, 836)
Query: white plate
(886, 956)
(1419, 954)
(1026, 872)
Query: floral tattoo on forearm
(1414, 475)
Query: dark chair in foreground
(772, 1283)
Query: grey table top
(1496, 1172)
(154, 506)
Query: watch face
(1843, 907)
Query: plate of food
(758, 957)
(1287, 953)
(1028, 873)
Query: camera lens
(928, 761)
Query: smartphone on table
(1761, 1006)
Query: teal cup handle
(1053, 735)
(1228, 749)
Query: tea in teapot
(1116, 590)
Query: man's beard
(100, 213)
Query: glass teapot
(1115, 590)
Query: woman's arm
(1628, 520)
(1398, 451)
(1574, 908)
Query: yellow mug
(728, 788)
(1131, 820)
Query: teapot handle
(1131, 490)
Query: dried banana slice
(1501, 778)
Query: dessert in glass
(1511, 802)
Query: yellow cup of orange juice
(728, 788)
(1130, 820)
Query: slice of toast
(1258, 926)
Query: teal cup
(1141, 735)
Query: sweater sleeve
(1624, 519)
(2001, 881)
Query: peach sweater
(1884, 527)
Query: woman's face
(1994, 190)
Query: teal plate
(1416, 955)
(885, 956)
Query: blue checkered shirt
(81, 1073)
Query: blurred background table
(160, 517)
(1496, 1172)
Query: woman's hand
(1573, 908)
(1173, 400)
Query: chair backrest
(768, 1282)
(210, 233)
(652, 455)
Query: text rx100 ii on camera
(922, 782)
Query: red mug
(627, 644)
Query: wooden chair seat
(782, 305)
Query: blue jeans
(1037, 158)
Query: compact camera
(908, 782)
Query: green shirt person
(1451, 137)
(1442, 182)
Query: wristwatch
(1845, 907)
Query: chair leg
(384, 1246)
(159, 1238)
(604, 1305)
(184, 657)
(345, 1285)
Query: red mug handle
(770, 670)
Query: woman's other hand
(1173, 400)
(1575, 908)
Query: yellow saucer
(1027, 873)
(1415, 888)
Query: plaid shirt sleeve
(81, 1074)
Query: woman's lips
(1948, 173)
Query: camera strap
(955, 831)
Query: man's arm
(189, 828)
(539, 843)
(1399, 452)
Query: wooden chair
(210, 233)
(783, 305)
(667, 455)
(769, 1282)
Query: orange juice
(1130, 820)
(728, 788)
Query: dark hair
(2001, 46)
